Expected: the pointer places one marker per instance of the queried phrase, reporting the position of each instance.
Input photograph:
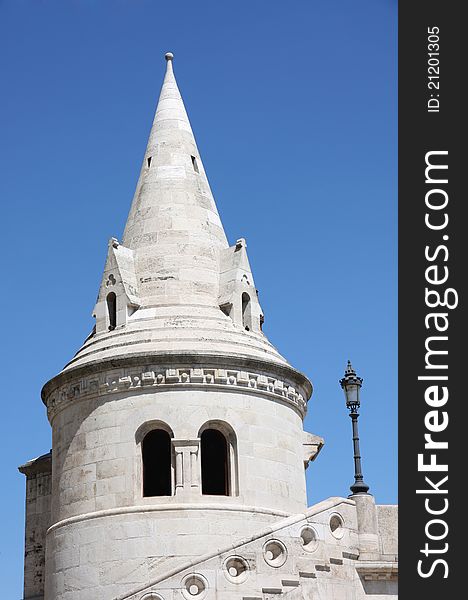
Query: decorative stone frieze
(160, 378)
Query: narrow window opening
(156, 449)
(148, 161)
(214, 463)
(226, 309)
(112, 310)
(195, 164)
(246, 312)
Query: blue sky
(294, 108)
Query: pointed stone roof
(179, 291)
(174, 226)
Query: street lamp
(351, 385)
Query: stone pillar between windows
(187, 468)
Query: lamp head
(351, 385)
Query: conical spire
(174, 285)
(174, 226)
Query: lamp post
(351, 385)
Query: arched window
(112, 310)
(157, 459)
(246, 312)
(215, 468)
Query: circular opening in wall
(152, 596)
(309, 538)
(194, 586)
(236, 569)
(336, 526)
(274, 553)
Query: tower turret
(177, 425)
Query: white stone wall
(111, 554)
(136, 556)
(97, 457)
(387, 517)
(97, 479)
(38, 520)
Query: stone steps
(290, 586)
(290, 583)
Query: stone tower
(178, 449)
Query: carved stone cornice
(378, 570)
(111, 380)
(37, 466)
